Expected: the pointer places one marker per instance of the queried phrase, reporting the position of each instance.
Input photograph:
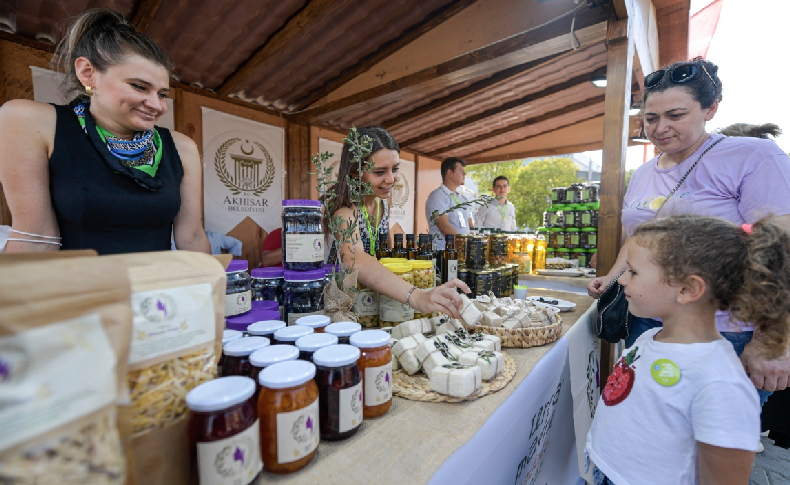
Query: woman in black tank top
(98, 174)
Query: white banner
(46, 89)
(243, 172)
(584, 357)
(335, 149)
(529, 440)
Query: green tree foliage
(530, 184)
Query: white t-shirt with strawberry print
(646, 433)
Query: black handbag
(613, 314)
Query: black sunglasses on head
(677, 74)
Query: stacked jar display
(303, 257)
(571, 223)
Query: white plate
(563, 305)
(570, 273)
(543, 305)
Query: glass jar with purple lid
(238, 294)
(237, 355)
(265, 305)
(241, 322)
(308, 344)
(303, 294)
(343, 330)
(303, 234)
(267, 285)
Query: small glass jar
(391, 311)
(227, 336)
(524, 263)
(497, 253)
(585, 216)
(460, 247)
(238, 295)
(573, 194)
(263, 358)
(303, 235)
(303, 294)
(591, 253)
(558, 195)
(265, 328)
(265, 305)
(242, 322)
(557, 236)
(223, 416)
(571, 216)
(288, 413)
(267, 285)
(289, 335)
(580, 255)
(481, 282)
(563, 253)
(237, 355)
(594, 207)
(343, 330)
(463, 275)
(339, 391)
(590, 193)
(422, 274)
(476, 251)
(572, 237)
(316, 322)
(375, 364)
(308, 344)
(589, 238)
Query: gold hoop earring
(89, 90)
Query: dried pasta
(92, 455)
(158, 392)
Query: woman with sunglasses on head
(372, 219)
(737, 179)
(98, 174)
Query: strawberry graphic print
(621, 381)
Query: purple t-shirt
(740, 180)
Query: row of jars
(575, 194)
(572, 215)
(272, 411)
(499, 281)
(571, 238)
(479, 252)
(583, 256)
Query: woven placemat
(523, 337)
(417, 387)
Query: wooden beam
(540, 42)
(673, 33)
(294, 26)
(405, 38)
(587, 103)
(298, 157)
(21, 40)
(615, 140)
(540, 152)
(529, 98)
(146, 10)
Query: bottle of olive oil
(383, 247)
(398, 251)
(412, 249)
(449, 259)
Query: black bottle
(383, 247)
(398, 251)
(449, 259)
(412, 249)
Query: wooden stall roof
(465, 78)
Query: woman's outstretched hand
(443, 299)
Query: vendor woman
(98, 174)
(371, 219)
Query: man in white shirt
(446, 196)
(499, 214)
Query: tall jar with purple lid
(267, 285)
(303, 294)
(303, 234)
(238, 294)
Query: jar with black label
(580, 255)
(463, 275)
(585, 216)
(308, 344)
(303, 294)
(573, 195)
(588, 238)
(571, 215)
(572, 237)
(497, 252)
(563, 253)
(238, 293)
(482, 282)
(496, 282)
(590, 193)
(476, 251)
(558, 195)
(340, 393)
(303, 234)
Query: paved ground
(772, 466)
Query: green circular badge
(665, 372)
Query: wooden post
(620, 50)
(298, 161)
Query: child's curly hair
(747, 274)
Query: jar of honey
(223, 431)
(263, 358)
(375, 364)
(343, 330)
(288, 413)
(309, 344)
(237, 355)
(339, 391)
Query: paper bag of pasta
(178, 310)
(64, 338)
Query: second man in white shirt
(499, 214)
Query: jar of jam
(375, 364)
(303, 294)
(497, 253)
(303, 235)
(288, 413)
(308, 344)
(343, 330)
(289, 335)
(460, 247)
(391, 311)
(476, 251)
(339, 391)
(223, 416)
(580, 255)
(237, 355)
(563, 253)
(558, 195)
(263, 358)
(238, 294)
(241, 322)
(267, 285)
(589, 238)
(572, 237)
(316, 322)
(265, 328)
(557, 236)
(265, 305)
(227, 336)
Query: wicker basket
(523, 337)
